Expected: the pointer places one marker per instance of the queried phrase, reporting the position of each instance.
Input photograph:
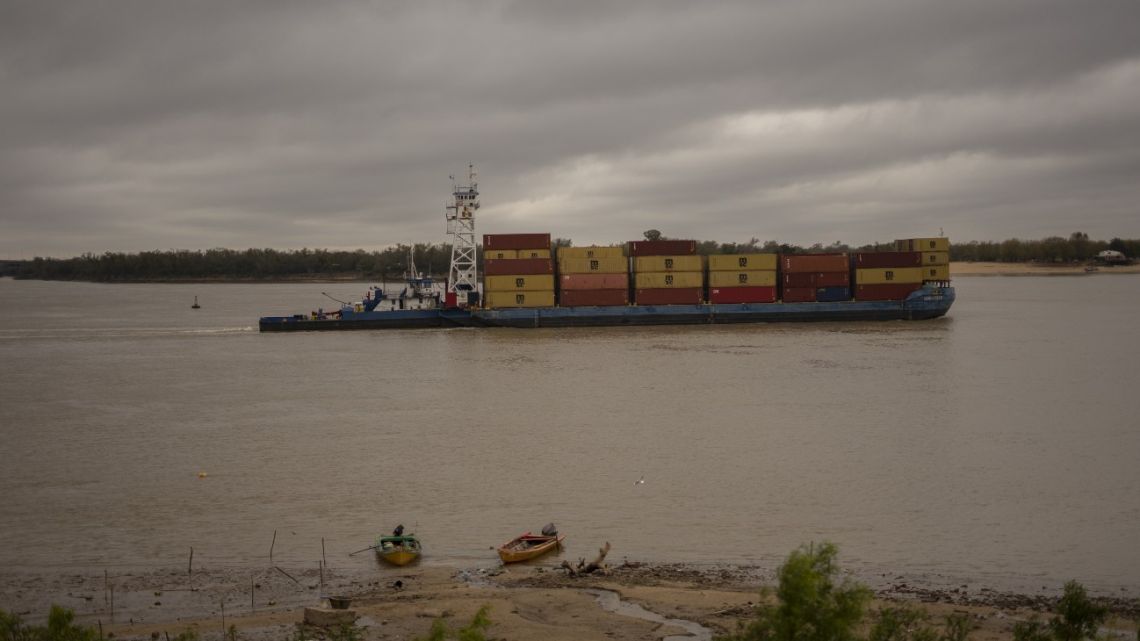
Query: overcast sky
(152, 124)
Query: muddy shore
(526, 602)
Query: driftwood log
(597, 565)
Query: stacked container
(935, 256)
(742, 278)
(517, 271)
(809, 278)
(886, 275)
(667, 272)
(592, 276)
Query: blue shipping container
(832, 294)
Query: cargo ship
(527, 282)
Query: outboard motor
(399, 531)
(549, 530)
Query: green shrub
(60, 627)
(1079, 617)
(810, 605)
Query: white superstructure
(463, 278)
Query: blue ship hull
(926, 303)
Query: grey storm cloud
(143, 124)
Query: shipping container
(519, 282)
(923, 245)
(799, 295)
(516, 241)
(816, 279)
(593, 265)
(755, 278)
(593, 297)
(790, 263)
(742, 262)
(690, 296)
(888, 275)
(662, 247)
(492, 300)
(534, 253)
(500, 254)
(832, 294)
(590, 252)
(729, 295)
(885, 292)
(668, 264)
(936, 272)
(593, 281)
(663, 280)
(511, 266)
(886, 259)
(935, 258)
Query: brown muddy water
(998, 446)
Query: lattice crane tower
(463, 277)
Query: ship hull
(926, 303)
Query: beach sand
(525, 601)
(1035, 269)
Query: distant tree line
(251, 264)
(435, 259)
(1055, 249)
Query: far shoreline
(1035, 269)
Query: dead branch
(597, 565)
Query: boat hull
(923, 304)
(398, 550)
(513, 552)
(401, 557)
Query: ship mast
(463, 278)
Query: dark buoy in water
(195, 305)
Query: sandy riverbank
(1034, 269)
(526, 602)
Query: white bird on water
(640, 481)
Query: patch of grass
(474, 631)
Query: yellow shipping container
(668, 280)
(936, 272)
(529, 283)
(534, 253)
(500, 253)
(923, 245)
(590, 252)
(751, 278)
(888, 275)
(935, 258)
(617, 265)
(742, 262)
(518, 299)
(668, 264)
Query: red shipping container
(871, 260)
(814, 263)
(726, 295)
(662, 247)
(678, 296)
(817, 279)
(516, 241)
(594, 281)
(593, 297)
(799, 294)
(517, 266)
(890, 291)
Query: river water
(999, 445)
